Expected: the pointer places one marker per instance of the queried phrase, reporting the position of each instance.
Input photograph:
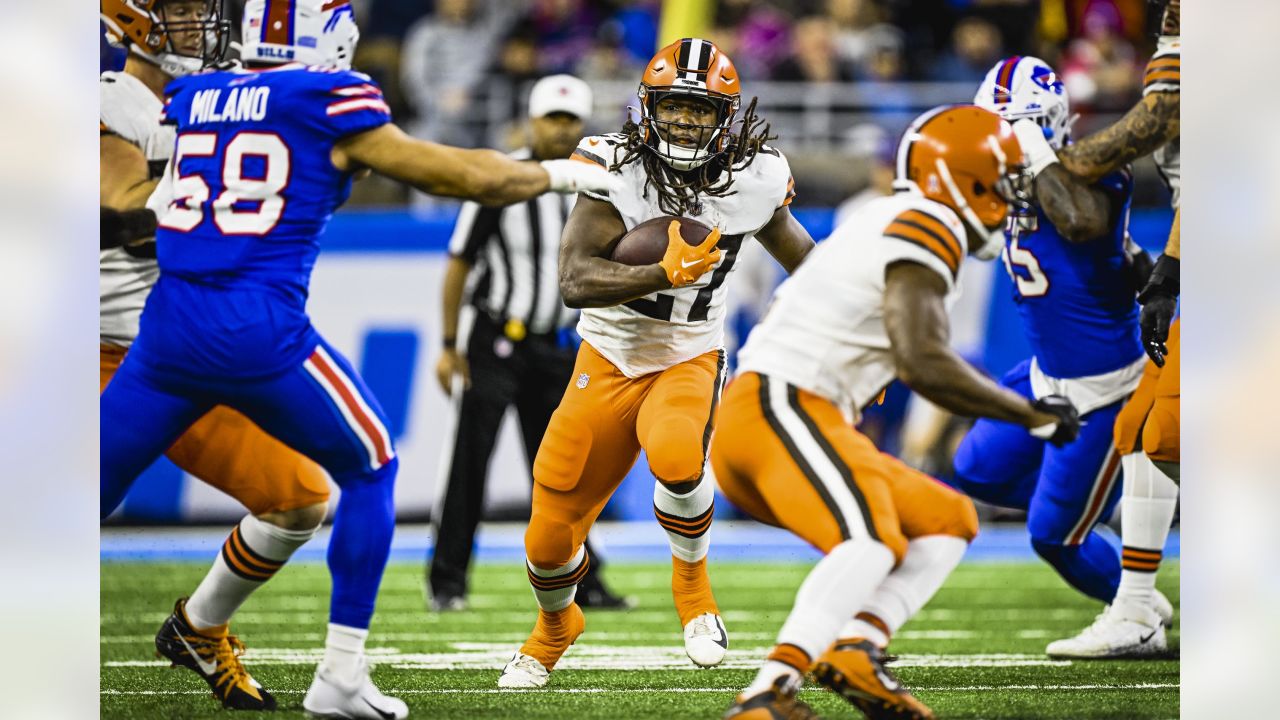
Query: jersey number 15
(247, 205)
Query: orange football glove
(685, 263)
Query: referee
(518, 350)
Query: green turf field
(976, 651)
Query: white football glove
(1035, 147)
(574, 176)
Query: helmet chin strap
(171, 64)
(993, 240)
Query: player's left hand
(1065, 426)
(573, 176)
(1159, 304)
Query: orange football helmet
(148, 29)
(968, 159)
(697, 68)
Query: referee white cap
(560, 93)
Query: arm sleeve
(351, 103)
(472, 231)
(595, 150)
(923, 237)
(1164, 70)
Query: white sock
(769, 674)
(928, 562)
(686, 518)
(251, 555)
(837, 586)
(555, 589)
(343, 650)
(1146, 512)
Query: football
(646, 243)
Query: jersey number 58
(247, 205)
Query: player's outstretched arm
(785, 239)
(587, 278)
(915, 318)
(485, 176)
(1143, 130)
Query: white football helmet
(1026, 87)
(311, 32)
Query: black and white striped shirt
(514, 251)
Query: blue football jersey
(252, 187)
(1077, 305)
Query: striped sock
(555, 589)
(686, 518)
(1147, 508)
(251, 555)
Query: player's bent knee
(674, 451)
(300, 519)
(896, 542)
(548, 543)
(563, 453)
(961, 519)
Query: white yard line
(664, 690)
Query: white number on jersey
(1036, 283)
(190, 192)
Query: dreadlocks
(678, 191)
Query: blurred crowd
(456, 71)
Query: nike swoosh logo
(689, 264)
(208, 668)
(381, 713)
(723, 640)
(1146, 639)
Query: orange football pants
(789, 459)
(595, 436)
(1152, 418)
(226, 450)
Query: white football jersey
(1163, 74)
(666, 328)
(825, 331)
(129, 109)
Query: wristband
(1164, 279)
(449, 343)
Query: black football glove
(121, 227)
(1138, 266)
(1159, 304)
(1067, 426)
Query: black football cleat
(593, 594)
(215, 658)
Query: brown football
(646, 243)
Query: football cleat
(1121, 631)
(215, 658)
(448, 603)
(1163, 608)
(777, 703)
(333, 697)
(523, 671)
(705, 640)
(855, 671)
(593, 594)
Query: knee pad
(675, 452)
(1161, 439)
(548, 543)
(563, 454)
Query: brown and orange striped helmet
(147, 28)
(968, 159)
(695, 68)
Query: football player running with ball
(651, 366)
(869, 306)
(263, 156)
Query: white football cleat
(1121, 631)
(523, 671)
(331, 697)
(705, 640)
(1163, 608)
